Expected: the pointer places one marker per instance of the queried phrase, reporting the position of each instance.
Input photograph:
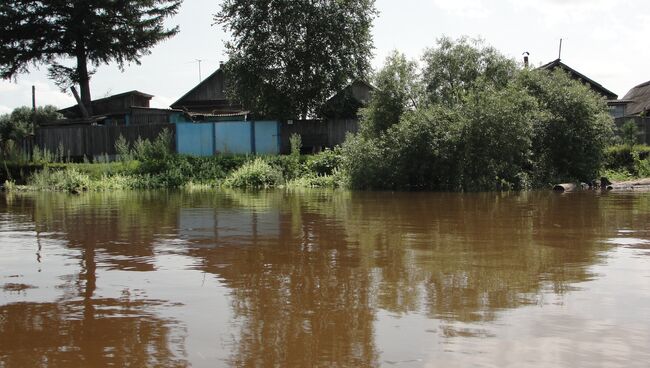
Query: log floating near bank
(636, 185)
(632, 185)
(570, 187)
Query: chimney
(526, 59)
(220, 64)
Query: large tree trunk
(84, 78)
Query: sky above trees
(604, 39)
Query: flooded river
(324, 279)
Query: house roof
(197, 87)
(557, 63)
(112, 97)
(351, 85)
(639, 98)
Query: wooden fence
(95, 140)
(642, 124)
(317, 134)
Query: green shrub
(621, 157)
(325, 162)
(255, 174)
(629, 133)
(641, 166)
(68, 180)
(123, 149)
(572, 130)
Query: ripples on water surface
(324, 279)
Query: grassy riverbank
(156, 167)
(151, 165)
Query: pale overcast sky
(604, 39)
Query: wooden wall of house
(317, 134)
(152, 116)
(210, 89)
(90, 141)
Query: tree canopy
(286, 57)
(21, 121)
(91, 32)
(478, 123)
(397, 91)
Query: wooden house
(208, 98)
(635, 107)
(595, 86)
(346, 103)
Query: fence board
(643, 125)
(95, 140)
(317, 134)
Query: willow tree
(89, 32)
(286, 57)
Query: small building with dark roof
(637, 100)
(595, 86)
(634, 107)
(116, 104)
(346, 103)
(209, 98)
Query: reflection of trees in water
(309, 270)
(459, 257)
(119, 332)
(464, 257)
(81, 329)
(299, 299)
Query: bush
(69, 180)
(483, 125)
(417, 153)
(573, 128)
(325, 162)
(629, 133)
(255, 174)
(621, 157)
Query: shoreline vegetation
(463, 119)
(151, 165)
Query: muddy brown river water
(324, 279)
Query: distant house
(233, 130)
(126, 115)
(595, 86)
(208, 98)
(635, 107)
(346, 103)
(636, 102)
(126, 108)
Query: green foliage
(641, 166)
(629, 133)
(256, 174)
(19, 124)
(123, 149)
(287, 57)
(415, 154)
(496, 138)
(481, 125)
(68, 180)
(455, 67)
(621, 158)
(91, 32)
(573, 129)
(325, 162)
(397, 91)
(154, 155)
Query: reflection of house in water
(208, 227)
